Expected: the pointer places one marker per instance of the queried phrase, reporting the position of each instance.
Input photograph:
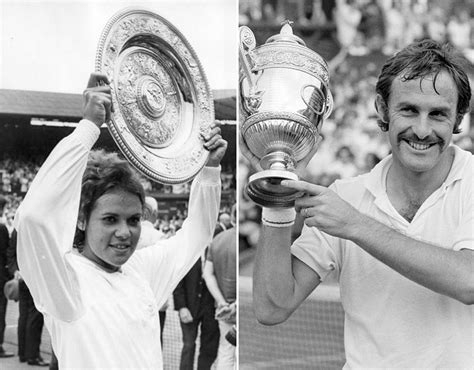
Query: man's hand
(222, 311)
(185, 315)
(215, 144)
(18, 275)
(226, 312)
(97, 99)
(325, 210)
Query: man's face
(421, 121)
(113, 229)
(225, 219)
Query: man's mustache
(429, 140)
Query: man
(224, 222)
(149, 234)
(4, 276)
(399, 238)
(220, 276)
(195, 306)
(30, 320)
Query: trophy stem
(278, 160)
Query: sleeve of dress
(46, 223)
(166, 263)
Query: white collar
(375, 182)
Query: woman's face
(113, 229)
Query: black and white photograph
(236, 184)
(117, 176)
(356, 176)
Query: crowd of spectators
(227, 179)
(353, 142)
(17, 173)
(366, 25)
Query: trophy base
(264, 189)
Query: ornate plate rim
(198, 153)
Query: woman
(101, 300)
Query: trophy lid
(286, 50)
(286, 35)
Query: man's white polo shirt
(391, 321)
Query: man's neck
(407, 190)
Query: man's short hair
(150, 208)
(224, 216)
(419, 60)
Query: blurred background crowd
(355, 37)
(366, 25)
(17, 173)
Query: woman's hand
(97, 99)
(216, 145)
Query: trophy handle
(329, 105)
(247, 64)
(246, 46)
(312, 98)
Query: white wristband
(278, 217)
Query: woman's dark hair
(104, 172)
(422, 59)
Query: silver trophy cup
(284, 98)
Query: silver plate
(161, 98)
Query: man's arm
(211, 283)
(179, 296)
(444, 271)
(4, 242)
(281, 282)
(225, 310)
(11, 254)
(179, 299)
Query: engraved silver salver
(161, 98)
(284, 99)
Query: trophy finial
(286, 34)
(286, 28)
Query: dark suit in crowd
(192, 293)
(4, 277)
(30, 320)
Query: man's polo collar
(460, 160)
(375, 181)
